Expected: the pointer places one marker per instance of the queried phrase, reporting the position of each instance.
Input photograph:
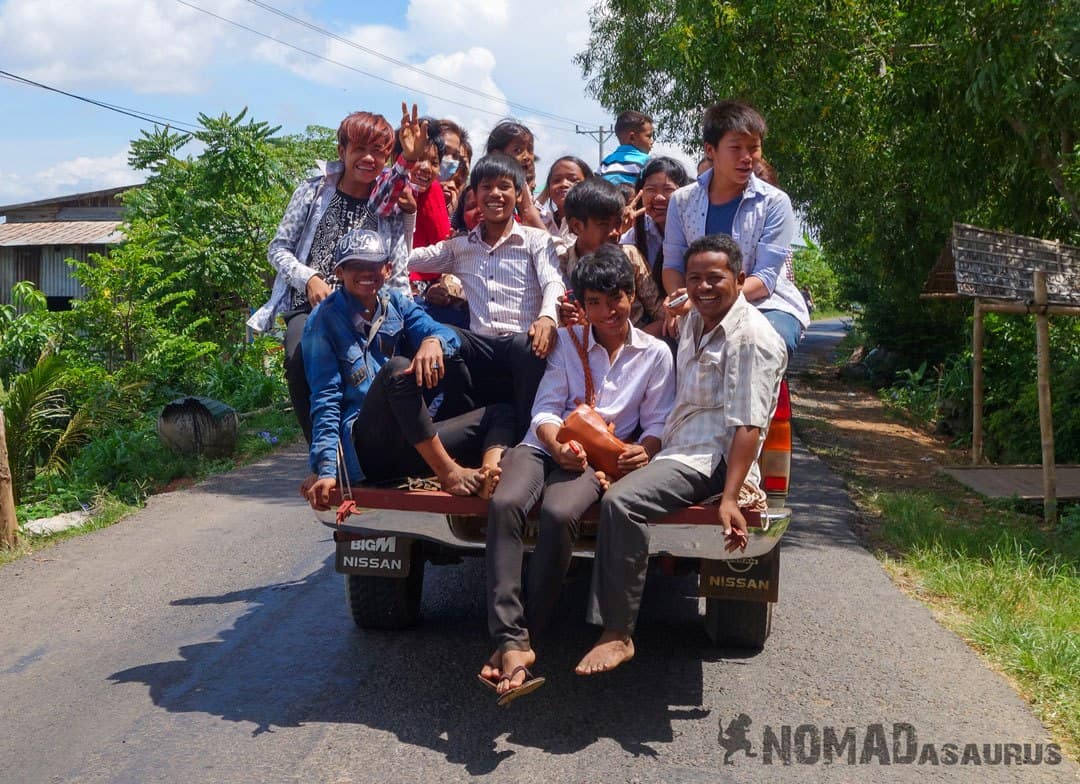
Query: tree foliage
(888, 122)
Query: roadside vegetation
(163, 317)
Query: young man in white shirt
(633, 387)
(730, 364)
(510, 274)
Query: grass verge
(114, 476)
(997, 578)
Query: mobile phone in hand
(678, 301)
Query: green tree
(887, 122)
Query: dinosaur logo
(735, 737)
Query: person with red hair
(357, 191)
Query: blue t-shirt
(721, 217)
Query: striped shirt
(729, 377)
(508, 285)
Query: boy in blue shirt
(634, 131)
(728, 198)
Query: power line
(362, 72)
(406, 65)
(138, 115)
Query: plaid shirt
(508, 285)
(728, 378)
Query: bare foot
(611, 650)
(510, 661)
(490, 480)
(491, 669)
(460, 481)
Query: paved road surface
(205, 639)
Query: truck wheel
(387, 602)
(733, 623)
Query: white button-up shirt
(637, 388)
(729, 377)
(508, 285)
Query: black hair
(505, 132)
(676, 172)
(496, 165)
(457, 220)
(717, 243)
(594, 198)
(630, 121)
(728, 116)
(627, 191)
(434, 134)
(586, 170)
(606, 270)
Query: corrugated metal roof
(69, 197)
(61, 233)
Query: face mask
(448, 168)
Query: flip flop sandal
(530, 685)
(493, 685)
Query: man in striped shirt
(510, 274)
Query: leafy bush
(813, 272)
(25, 329)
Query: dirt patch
(851, 429)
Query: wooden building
(37, 238)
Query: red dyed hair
(366, 128)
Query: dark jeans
(528, 474)
(299, 391)
(622, 542)
(500, 369)
(394, 417)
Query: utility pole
(601, 134)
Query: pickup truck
(385, 537)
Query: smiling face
(734, 157)
(564, 175)
(363, 279)
(592, 232)
(363, 163)
(521, 150)
(496, 198)
(711, 285)
(424, 172)
(608, 313)
(655, 194)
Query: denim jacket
(340, 366)
(764, 228)
(291, 244)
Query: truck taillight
(776, 453)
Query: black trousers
(395, 416)
(529, 474)
(295, 379)
(500, 369)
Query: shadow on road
(293, 658)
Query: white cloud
(73, 176)
(460, 17)
(149, 46)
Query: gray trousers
(528, 474)
(622, 542)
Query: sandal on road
(530, 685)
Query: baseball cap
(360, 245)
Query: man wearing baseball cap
(369, 352)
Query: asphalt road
(205, 639)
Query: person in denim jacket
(356, 191)
(369, 352)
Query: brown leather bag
(587, 427)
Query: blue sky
(165, 58)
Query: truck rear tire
(387, 602)
(734, 623)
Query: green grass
(827, 313)
(113, 476)
(1004, 583)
